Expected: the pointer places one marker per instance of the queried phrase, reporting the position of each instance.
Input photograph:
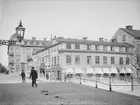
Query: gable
(119, 37)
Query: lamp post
(20, 31)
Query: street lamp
(20, 31)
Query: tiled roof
(133, 32)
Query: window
(127, 60)
(126, 49)
(68, 46)
(49, 51)
(17, 58)
(121, 49)
(97, 60)
(54, 60)
(104, 48)
(112, 60)
(68, 59)
(121, 60)
(48, 62)
(104, 59)
(77, 46)
(58, 60)
(18, 68)
(77, 59)
(88, 47)
(97, 47)
(124, 38)
(88, 59)
(112, 48)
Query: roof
(82, 41)
(133, 32)
(89, 42)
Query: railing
(108, 83)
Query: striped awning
(78, 70)
(90, 71)
(114, 70)
(98, 71)
(70, 70)
(128, 70)
(106, 70)
(122, 70)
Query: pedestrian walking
(23, 76)
(34, 76)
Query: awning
(128, 70)
(70, 70)
(122, 70)
(90, 71)
(106, 70)
(114, 70)
(98, 71)
(78, 70)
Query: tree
(136, 57)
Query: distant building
(130, 36)
(20, 53)
(66, 55)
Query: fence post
(96, 82)
(132, 83)
(110, 88)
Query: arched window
(17, 50)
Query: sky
(66, 18)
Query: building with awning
(90, 72)
(69, 71)
(114, 71)
(98, 72)
(106, 72)
(78, 71)
(128, 70)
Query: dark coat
(23, 75)
(33, 75)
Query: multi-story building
(66, 55)
(20, 53)
(131, 36)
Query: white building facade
(19, 53)
(64, 56)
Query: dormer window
(68, 46)
(88, 47)
(104, 48)
(97, 47)
(112, 48)
(31, 43)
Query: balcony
(11, 53)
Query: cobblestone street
(56, 93)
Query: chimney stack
(101, 39)
(84, 38)
(33, 38)
(129, 27)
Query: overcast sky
(68, 18)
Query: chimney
(84, 38)
(45, 39)
(129, 27)
(33, 38)
(101, 39)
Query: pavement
(117, 85)
(58, 93)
